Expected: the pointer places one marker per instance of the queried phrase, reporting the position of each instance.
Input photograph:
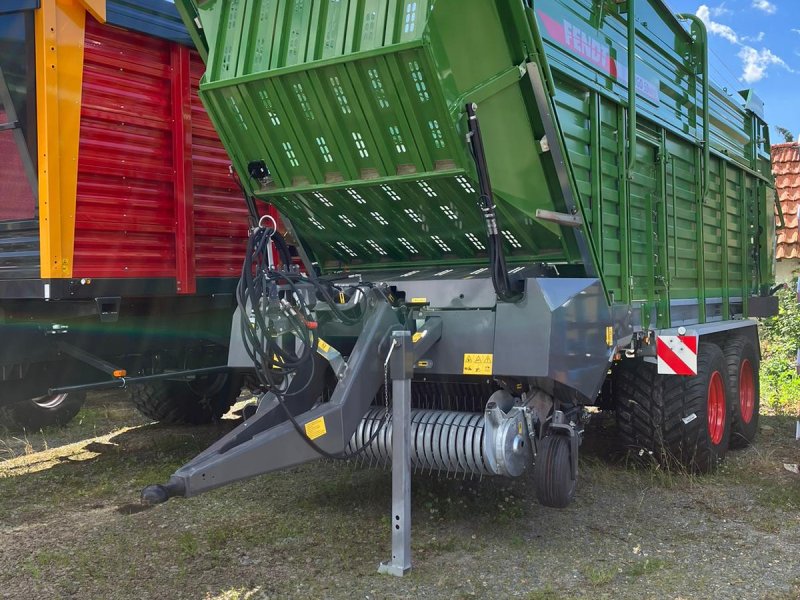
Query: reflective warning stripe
(677, 354)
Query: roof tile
(786, 167)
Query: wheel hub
(716, 408)
(50, 401)
(747, 391)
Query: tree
(787, 135)
(780, 341)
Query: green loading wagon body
(510, 209)
(357, 109)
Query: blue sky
(755, 44)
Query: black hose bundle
(497, 260)
(260, 304)
(271, 306)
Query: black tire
(743, 365)
(552, 473)
(45, 411)
(668, 415)
(184, 403)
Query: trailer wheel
(183, 403)
(552, 473)
(743, 366)
(683, 420)
(54, 410)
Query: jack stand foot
(392, 569)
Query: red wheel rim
(747, 391)
(716, 408)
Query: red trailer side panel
(220, 214)
(154, 195)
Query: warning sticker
(478, 364)
(418, 336)
(316, 428)
(323, 346)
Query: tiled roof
(786, 167)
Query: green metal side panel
(661, 241)
(357, 109)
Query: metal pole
(632, 114)
(123, 382)
(401, 365)
(700, 34)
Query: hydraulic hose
(262, 303)
(497, 260)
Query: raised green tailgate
(357, 110)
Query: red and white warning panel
(677, 354)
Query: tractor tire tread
(735, 347)
(652, 412)
(175, 403)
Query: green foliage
(780, 341)
(788, 136)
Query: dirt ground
(71, 526)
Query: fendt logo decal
(585, 46)
(595, 52)
(677, 354)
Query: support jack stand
(401, 366)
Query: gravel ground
(70, 525)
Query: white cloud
(756, 62)
(704, 13)
(758, 38)
(765, 5)
(720, 11)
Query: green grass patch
(601, 575)
(644, 567)
(545, 593)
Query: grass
(237, 594)
(546, 593)
(319, 530)
(600, 576)
(644, 567)
(187, 545)
(51, 558)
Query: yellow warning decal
(609, 336)
(419, 301)
(323, 346)
(478, 364)
(316, 428)
(424, 364)
(418, 336)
